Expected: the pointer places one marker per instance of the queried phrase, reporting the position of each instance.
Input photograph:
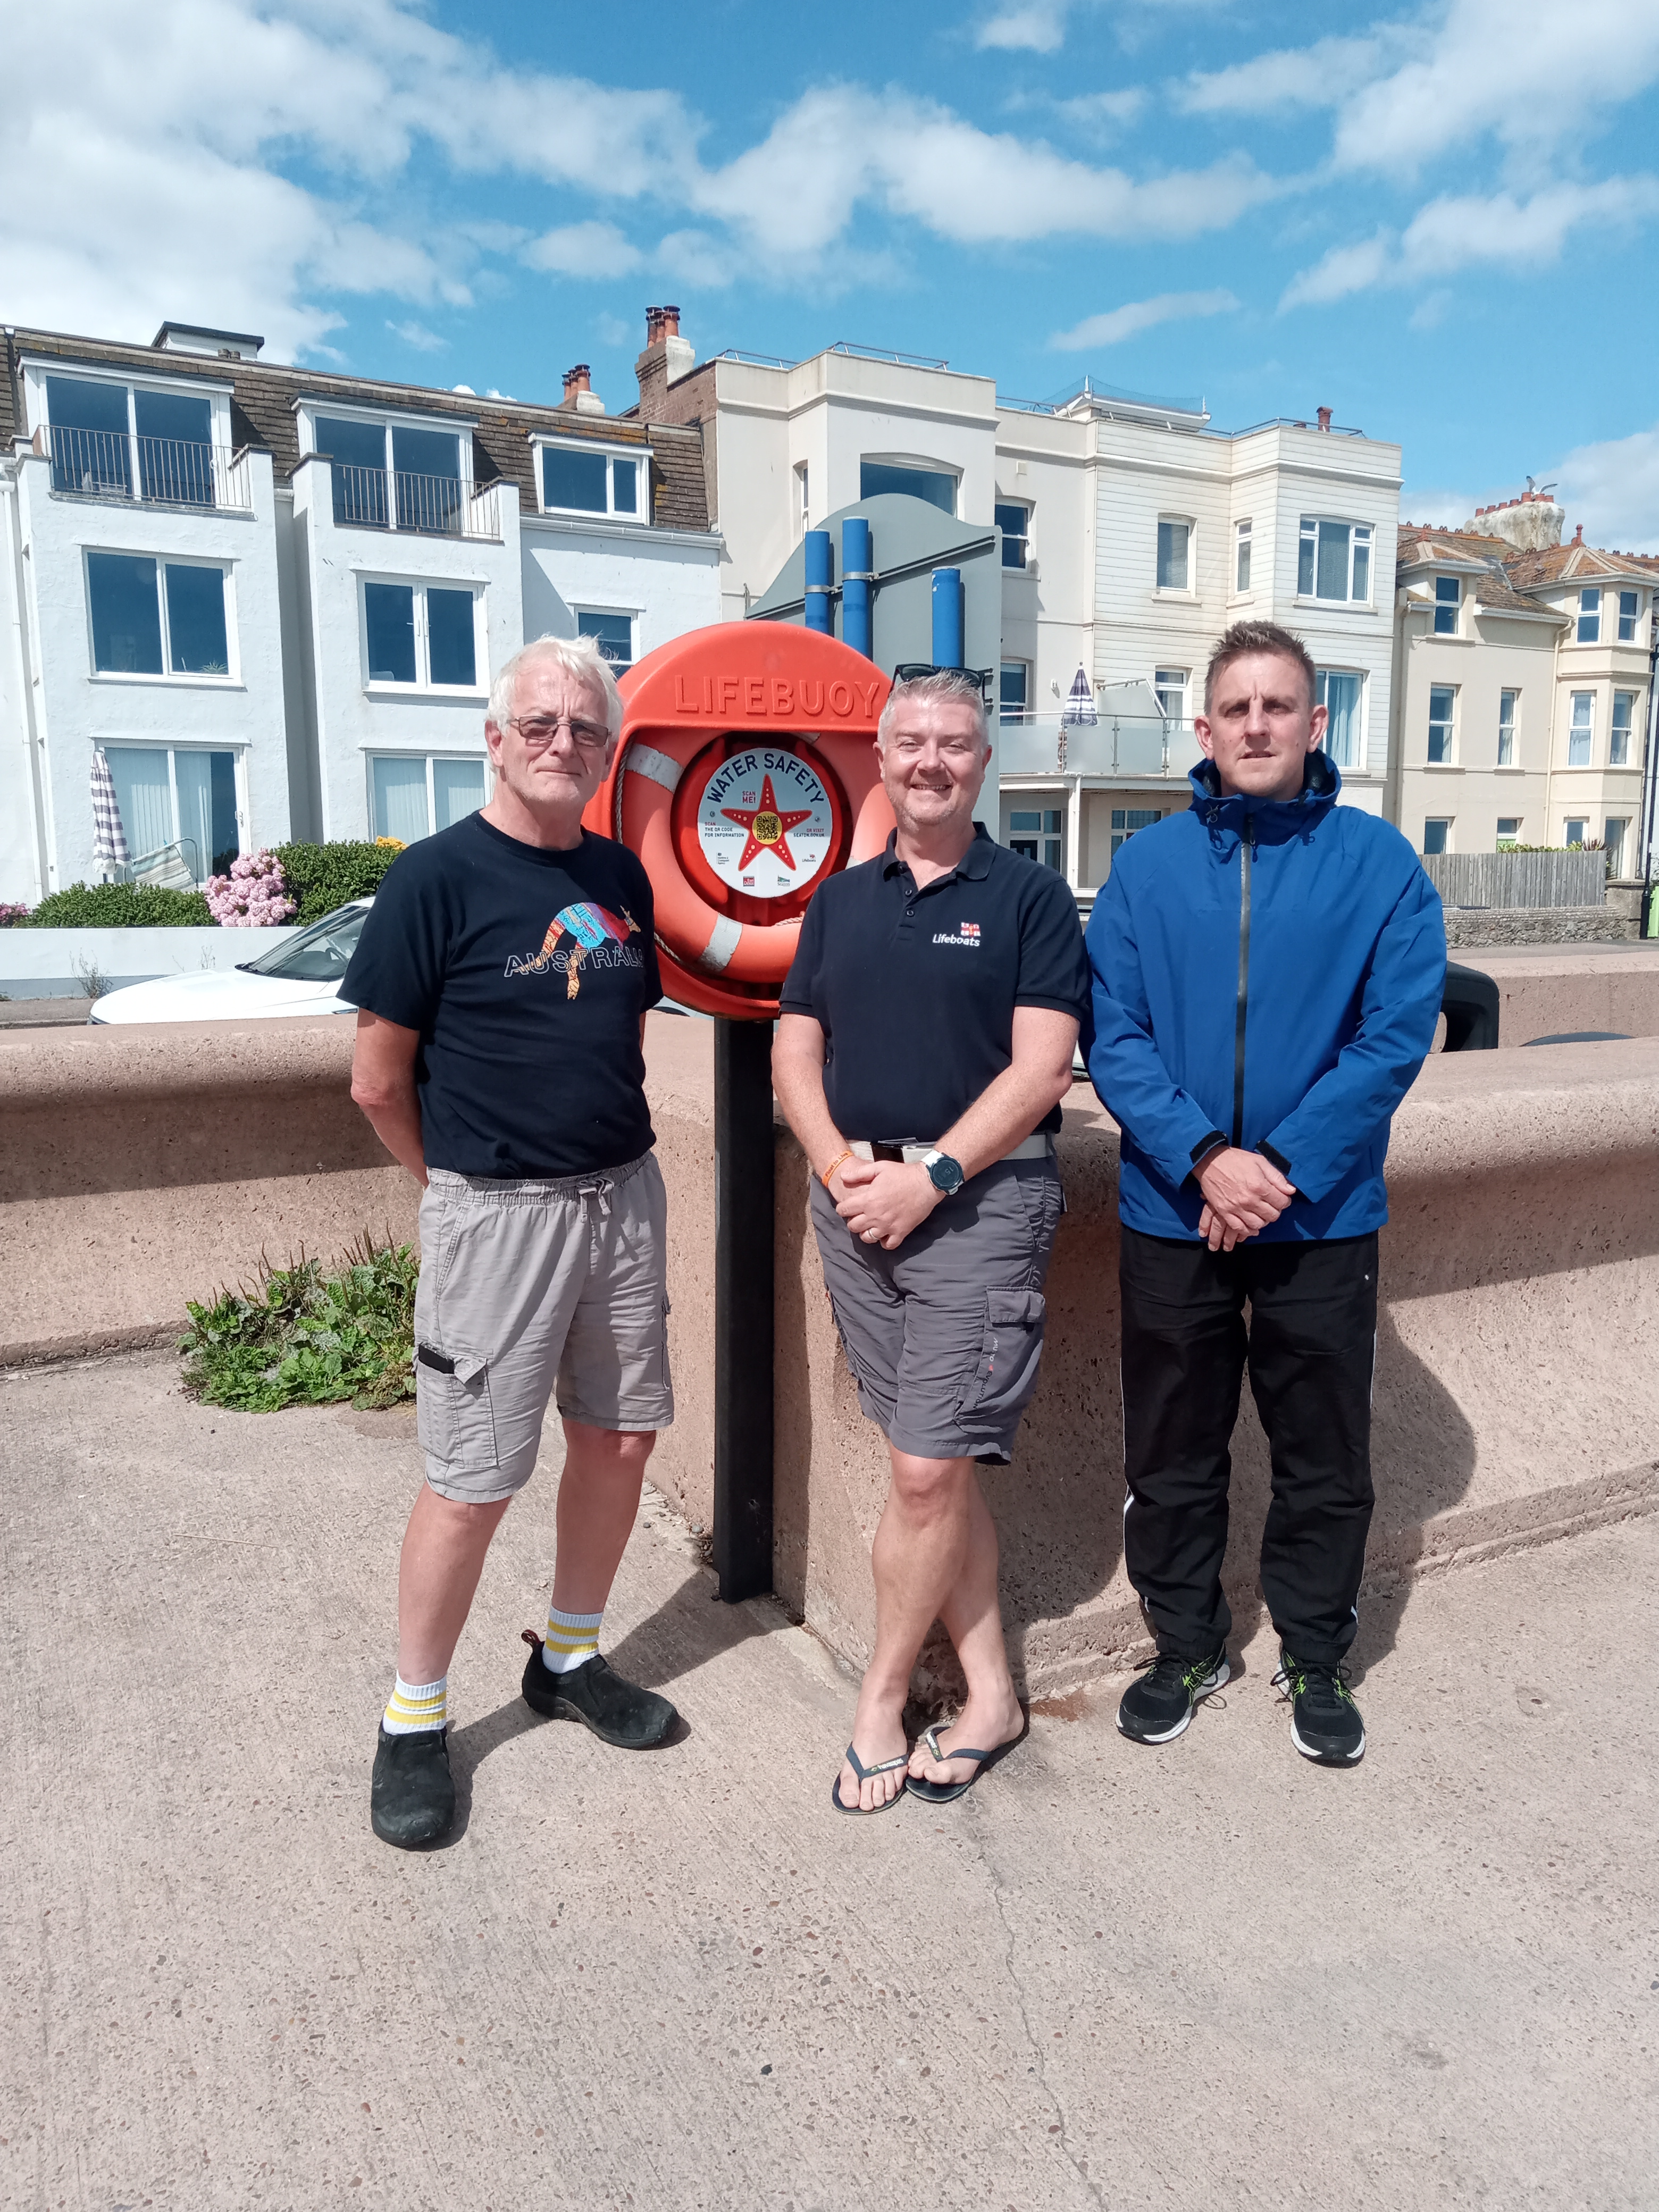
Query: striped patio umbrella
(109, 838)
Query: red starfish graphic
(768, 826)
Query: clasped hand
(883, 1197)
(1243, 1193)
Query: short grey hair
(577, 656)
(958, 686)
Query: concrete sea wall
(1517, 1385)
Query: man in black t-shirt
(502, 981)
(925, 1044)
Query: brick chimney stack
(578, 396)
(667, 357)
(1324, 418)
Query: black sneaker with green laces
(1157, 1708)
(1325, 1722)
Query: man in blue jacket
(1267, 971)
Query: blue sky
(1439, 219)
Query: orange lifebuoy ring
(746, 774)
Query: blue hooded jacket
(1267, 971)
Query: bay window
(1174, 550)
(1333, 560)
(1628, 604)
(1589, 616)
(1581, 729)
(1624, 711)
(1341, 692)
(1448, 596)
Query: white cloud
(1103, 111)
(1534, 77)
(1320, 76)
(1458, 231)
(1127, 321)
(1615, 486)
(1037, 27)
(839, 147)
(583, 249)
(417, 334)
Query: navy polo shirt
(915, 989)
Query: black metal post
(743, 1308)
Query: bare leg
(438, 1571)
(917, 1558)
(599, 1501)
(973, 1620)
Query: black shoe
(1157, 1708)
(1325, 1722)
(412, 1799)
(617, 1712)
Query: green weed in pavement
(306, 1335)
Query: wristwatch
(944, 1173)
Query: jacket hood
(1270, 818)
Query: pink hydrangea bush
(11, 916)
(253, 895)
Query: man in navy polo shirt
(925, 1044)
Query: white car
(301, 976)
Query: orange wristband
(839, 1160)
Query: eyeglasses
(539, 732)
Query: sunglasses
(911, 672)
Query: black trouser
(1312, 1346)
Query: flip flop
(863, 1772)
(944, 1793)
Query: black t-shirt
(526, 973)
(915, 990)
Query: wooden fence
(1518, 879)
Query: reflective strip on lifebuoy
(645, 760)
(726, 937)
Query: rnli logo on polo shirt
(965, 932)
(596, 935)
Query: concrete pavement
(1209, 1975)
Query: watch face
(945, 1173)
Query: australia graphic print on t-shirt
(595, 932)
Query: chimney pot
(1324, 418)
(653, 317)
(671, 322)
(1578, 534)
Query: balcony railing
(434, 506)
(110, 464)
(1118, 745)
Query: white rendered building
(275, 598)
(1130, 532)
(1521, 687)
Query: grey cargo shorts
(943, 1335)
(527, 1288)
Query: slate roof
(263, 396)
(1421, 545)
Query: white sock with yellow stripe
(571, 1639)
(416, 1707)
